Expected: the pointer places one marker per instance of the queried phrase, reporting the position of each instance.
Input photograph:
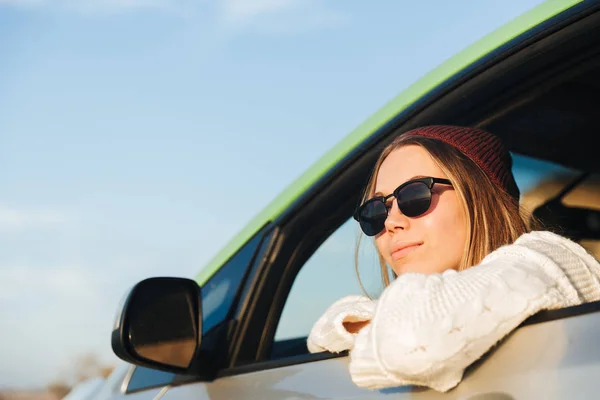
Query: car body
(535, 82)
(115, 384)
(86, 389)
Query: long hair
(494, 217)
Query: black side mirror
(160, 324)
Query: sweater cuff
(365, 370)
(329, 333)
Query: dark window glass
(146, 378)
(219, 292)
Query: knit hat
(483, 148)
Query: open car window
(330, 272)
(328, 275)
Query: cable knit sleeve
(329, 334)
(428, 328)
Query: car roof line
(420, 88)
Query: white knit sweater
(426, 329)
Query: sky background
(138, 136)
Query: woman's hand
(355, 326)
(335, 330)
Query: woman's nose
(395, 219)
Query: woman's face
(432, 242)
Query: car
(86, 389)
(239, 329)
(115, 383)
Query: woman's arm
(335, 330)
(427, 329)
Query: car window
(218, 295)
(330, 272)
(145, 378)
(328, 275)
(219, 292)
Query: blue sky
(138, 136)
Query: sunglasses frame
(428, 181)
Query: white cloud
(14, 219)
(266, 16)
(22, 2)
(87, 6)
(15, 281)
(279, 16)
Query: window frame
(301, 231)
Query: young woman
(443, 208)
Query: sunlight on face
(432, 242)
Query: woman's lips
(404, 250)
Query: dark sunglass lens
(372, 217)
(414, 199)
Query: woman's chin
(417, 268)
(404, 268)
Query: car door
(541, 360)
(289, 366)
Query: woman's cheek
(430, 222)
(382, 246)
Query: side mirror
(160, 324)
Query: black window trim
(253, 280)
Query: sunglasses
(413, 197)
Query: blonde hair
(494, 217)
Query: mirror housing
(159, 325)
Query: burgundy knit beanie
(483, 148)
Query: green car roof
(413, 93)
